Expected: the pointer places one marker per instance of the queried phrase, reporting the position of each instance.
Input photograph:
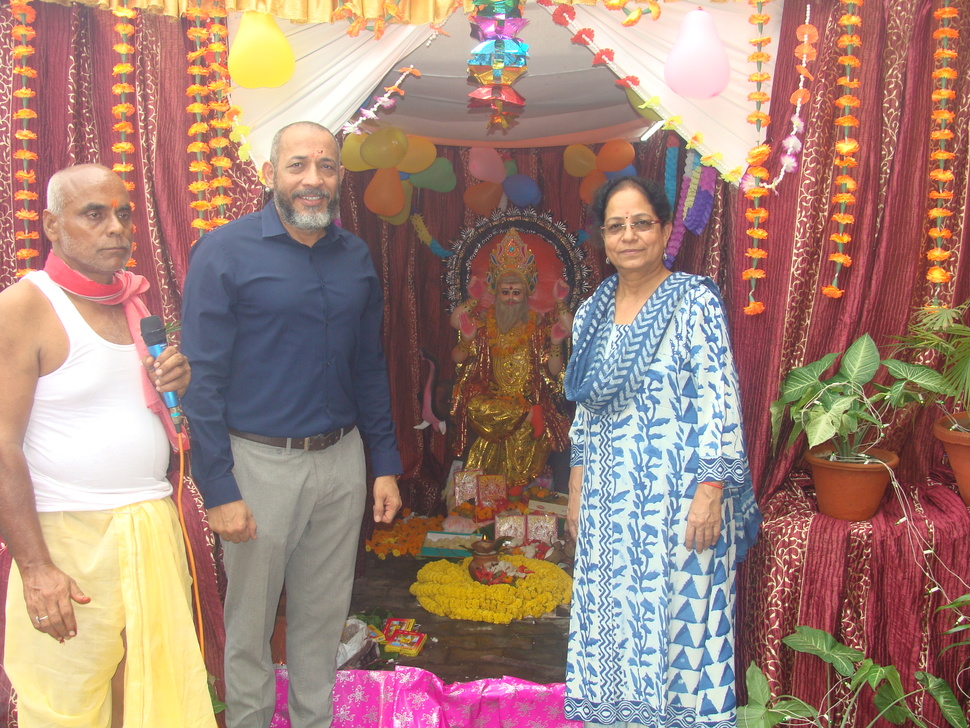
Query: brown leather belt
(316, 442)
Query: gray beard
(507, 317)
(306, 220)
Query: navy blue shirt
(284, 340)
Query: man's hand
(233, 521)
(387, 499)
(703, 518)
(170, 371)
(48, 592)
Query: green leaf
(804, 378)
(822, 644)
(777, 411)
(861, 673)
(944, 697)
(758, 690)
(860, 362)
(963, 601)
(896, 393)
(921, 376)
(820, 426)
(752, 716)
(796, 708)
(888, 699)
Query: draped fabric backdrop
(74, 61)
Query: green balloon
(439, 177)
(511, 167)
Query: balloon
(401, 217)
(384, 148)
(385, 193)
(350, 153)
(697, 65)
(260, 56)
(591, 182)
(628, 171)
(522, 190)
(483, 197)
(511, 167)
(439, 177)
(485, 164)
(615, 155)
(579, 160)
(421, 153)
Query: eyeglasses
(639, 227)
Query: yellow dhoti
(131, 562)
(506, 444)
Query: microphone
(153, 333)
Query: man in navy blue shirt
(282, 323)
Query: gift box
(491, 491)
(522, 528)
(406, 642)
(394, 625)
(466, 485)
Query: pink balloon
(698, 64)
(485, 164)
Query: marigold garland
(26, 234)
(404, 537)
(943, 177)
(846, 146)
(221, 111)
(447, 589)
(123, 109)
(198, 91)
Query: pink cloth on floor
(377, 699)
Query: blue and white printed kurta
(652, 634)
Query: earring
(609, 262)
(666, 257)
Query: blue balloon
(627, 171)
(522, 190)
(403, 175)
(581, 237)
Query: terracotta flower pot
(850, 491)
(957, 446)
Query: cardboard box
(466, 485)
(394, 625)
(522, 528)
(557, 505)
(407, 642)
(445, 545)
(491, 491)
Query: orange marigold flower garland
(221, 113)
(940, 196)
(846, 146)
(123, 109)
(198, 92)
(26, 234)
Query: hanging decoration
(846, 145)
(614, 159)
(222, 114)
(261, 56)
(124, 109)
(697, 65)
(385, 101)
(501, 182)
(199, 130)
(23, 33)
(941, 194)
(498, 61)
(425, 237)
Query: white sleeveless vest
(91, 443)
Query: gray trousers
(308, 508)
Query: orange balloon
(483, 197)
(402, 217)
(591, 182)
(385, 194)
(615, 155)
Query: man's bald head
(63, 184)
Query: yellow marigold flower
(196, 89)
(849, 40)
(944, 195)
(759, 77)
(22, 51)
(937, 254)
(945, 33)
(755, 192)
(750, 273)
(219, 68)
(222, 200)
(843, 198)
(832, 292)
(847, 181)
(758, 18)
(941, 175)
(123, 147)
(939, 233)
(123, 167)
(938, 212)
(943, 93)
(937, 275)
(200, 127)
(26, 235)
(123, 48)
(24, 33)
(200, 166)
(221, 106)
(221, 124)
(942, 115)
(218, 48)
(218, 221)
(26, 254)
(757, 233)
(24, 195)
(758, 155)
(219, 142)
(848, 100)
(24, 93)
(197, 70)
(119, 69)
(756, 253)
(220, 182)
(200, 224)
(28, 176)
(24, 154)
(845, 162)
(945, 54)
(941, 134)
(122, 88)
(847, 120)
(130, 186)
(25, 114)
(26, 214)
(194, 55)
(194, 12)
(218, 85)
(762, 40)
(218, 11)
(761, 117)
(756, 214)
(759, 96)
(223, 162)
(198, 187)
(25, 135)
(121, 110)
(849, 19)
(841, 258)
(197, 108)
(197, 148)
(847, 146)
(949, 73)
(25, 71)
(840, 238)
(198, 34)
(121, 12)
(759, 57)
(218, 30)
(941, 13)
(124, 127)
(200, 205)
(848, 82)
(849, 60)
(21, 273)
(758, 172)
(843, 218)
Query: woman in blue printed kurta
(660, 492)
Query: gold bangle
(465, 345)
(555, 350)
(471, 304)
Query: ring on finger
(40, 619)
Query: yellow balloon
(384, 148)
(260, 56)
(350, 153)
(402, 217)
(421, 153)
(578, 160)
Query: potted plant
(843, 417)
(944, 332)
